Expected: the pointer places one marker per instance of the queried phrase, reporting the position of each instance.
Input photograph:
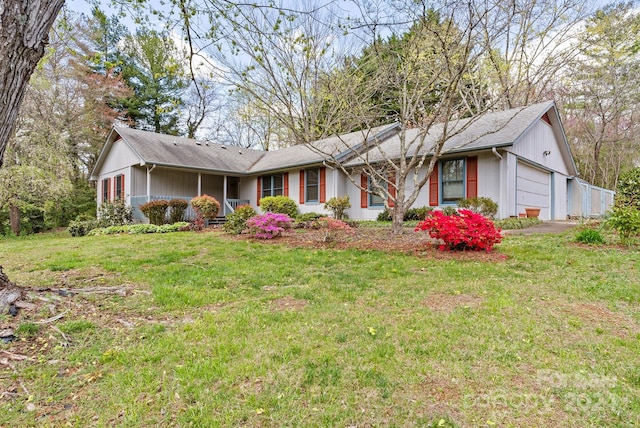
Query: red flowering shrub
(463, 231)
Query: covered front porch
(150, 183)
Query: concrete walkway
(554, 226)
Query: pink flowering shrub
(335, 224)
(268, 225)
(333, 227)
(463, 231)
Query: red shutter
(364, 196)
(472, 176)
(301, 187)
(259, 192)
(391, 180)
(285, 178)
(109, 189)
(122, 184)
(433, 187)
(323, 185)
(114, 195)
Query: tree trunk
(24, 29)
(398, 220)
(14, 219)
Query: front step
(217, 221)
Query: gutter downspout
(495, 153)
(149, 181)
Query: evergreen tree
(154, 68)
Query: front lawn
(207, 330)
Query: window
(374, 199)
(119, 187)
(105, 190)
(312, 185)
(452, 180)
(272, 185)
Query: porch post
(224, 195)
(149, 184)
(199, 184)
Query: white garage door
(533, 189)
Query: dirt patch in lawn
(595, 314)
(288, 303)
(449, 302)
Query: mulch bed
(374, 239)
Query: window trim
(119, 182)
(270, 179)
(372, 195)
(441, 181)
(307, 186)
(105, 189)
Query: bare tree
(528, 44)
(602, 98)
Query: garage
(533, 189)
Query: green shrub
(338, 206)
(412, 214)
(155, 211)
(115, 213)
(625, 219)
(449, 211)
(279, 205)
(309, 217)
(418, 213)
(384, 216)
(236, 222)
(138, 229)
(206, 206)
(628, 188)
(481, 205)
(177, 208)
(589, 236)
(308, 221)
(80, 227)
(625, 214)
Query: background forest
(269, 74)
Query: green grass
(222, 332)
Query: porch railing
(230, 205)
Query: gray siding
(118, 158)
(539, 140)
(138, 181)
(171, 182)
